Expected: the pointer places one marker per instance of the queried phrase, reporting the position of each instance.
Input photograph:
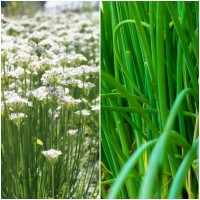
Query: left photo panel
(50, 100)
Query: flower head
(72, 132)
(17, 118)
(52, 155)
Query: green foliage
(149, 87)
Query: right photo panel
(149, 100)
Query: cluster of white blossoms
(16, 106)
(49, 63)
(52, 155)
(17, 118)
(72, 131)
(83, 112)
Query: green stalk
(194, 40)
(184, 44)
(163, 110)
(113, 95)
(130, 98)
(175, 189)
(107, 146)
(120, 60)
(160, 62)
(160, 150)
(144, 43)
(180, 63)
(126, 169)
(131, 188)
(52, 184)
(152, 9)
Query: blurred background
(29, 8)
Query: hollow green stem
(175, 190)
(126, 169)
(52, 173)
(160, 63)
(184, 44)
(160, 150)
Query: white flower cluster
(64, 59)
(16, 106)
(55, 113)
(17, 118)
(52, 153)
(83, 112)
(37, 36)
(72, 131)
(17, 101)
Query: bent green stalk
(134, 103)
(175, 189)
(120, 60)
(160, 151)
(144, 43)
(127, 167)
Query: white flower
(95, 107)
(22, 58)
(86, 85)
(70, 99)
(71, 59)
(55, 113)
(14, 116)
(17, 102)
(72, 132)
(40, 93)
(53, 76)
(37, 36)
(17, 118)
(47, 43)
(65, 40)
(52, 153)
(16, 73)
(83, 112)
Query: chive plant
(50, 103)
(149, 99)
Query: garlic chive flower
(17, 118)
(83, 112)
(95, 107)
(52, 155)
(72, 131)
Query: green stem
(126, 169)
(129, 97)
(175, 189)
(144, 43)
(52, 171)
(184, 44)
(160, 63)
(161, 148)
(126, 72)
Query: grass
(149, 99)
(50, 100)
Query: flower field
(50, 106)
